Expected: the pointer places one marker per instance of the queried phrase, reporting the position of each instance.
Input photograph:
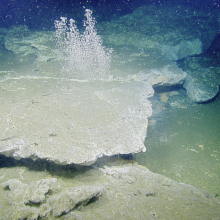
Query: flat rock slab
(112, 192)
(70, 121)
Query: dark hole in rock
(160, 89)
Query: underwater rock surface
(128, 192)
(30, 45)
(169, 75)
(203, 78)
(170, 31)
(71, 121)
(35, 192)
(199, 90)
(38, 47)
(20, 197)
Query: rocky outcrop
(113, 192)
(84, 120)
(81, 121)
(78, 121)
(22, 198)
(76, 196)
(30, 46)
(24, 193)
(166, 34)
(168, 75)
(168, 30)
(73, 121)
(203, 80)
(202, 89)
(171, 33)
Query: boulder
(203, 79)
(201, 90)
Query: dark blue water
(40, 14)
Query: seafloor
(176, 178)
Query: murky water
(183, 140)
